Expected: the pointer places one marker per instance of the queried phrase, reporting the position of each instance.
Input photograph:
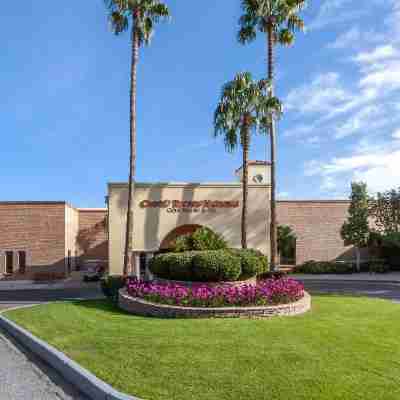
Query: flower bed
(265, 293)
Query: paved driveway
(24, 377)
(389, 291)
(9, 299)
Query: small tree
(355, 230)
(385, 209)
(286, 242)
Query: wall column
(136, 265)
(149, 275)
(2, 263)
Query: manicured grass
(345, 348)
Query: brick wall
(92, 236)
(317, 225)
(38, 229)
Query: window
(22, 262)
(9, 262)
(69, 261)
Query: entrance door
(9, 262)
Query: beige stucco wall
(71, 233)
(152, 225)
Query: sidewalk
(392, 277)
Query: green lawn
(345, 348)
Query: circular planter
(145, 308)
(251, 281)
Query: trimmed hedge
(378, 267)
(111, 284)
(253, 262)
(201, 240)
(209, 266)
(324, 267)
(181, 266)
(216, 266)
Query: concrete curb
(71, 371)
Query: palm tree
(245, 105)
(141, 15)
(278, 20)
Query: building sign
(175, 206)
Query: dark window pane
(22, 261)
(9, 262)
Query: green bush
(210, 265)
(324, 267)
(182, 244)
(159, 265)
(180, 266)
(110, 286)
(216, 266)
(253, 262)
(378, 267)
(201, 240)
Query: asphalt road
(9, 299)
(383, 290)
(388, 291)
(24, 377)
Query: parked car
(94, 273)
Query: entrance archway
(169, 240)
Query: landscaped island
(344, 349)
(264, 293)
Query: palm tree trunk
(273, 224)
(245, 188)
(129, 260)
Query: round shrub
(201, 240)
(253, 262)
(216, 266)
(378, 267)
(110, 286)
(159, 265)
(180, 266)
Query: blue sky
(64, 99)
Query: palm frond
(143, 14)
(280, 15)
(244, 106)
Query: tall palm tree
(140, 16)
(245, 107)
(278, 20)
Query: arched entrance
(183, 230)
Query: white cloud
(329, 13)
(368, 118)
(378, 54)
(383, 75)
(355, 38)
(328, 183)
(375, 164)
(300, 130)
(396, 134)
(322, 95)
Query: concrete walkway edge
(71, 371)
